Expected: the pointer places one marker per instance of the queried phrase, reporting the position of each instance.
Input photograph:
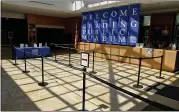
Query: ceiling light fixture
(41, 3)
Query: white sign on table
(40, 44)
(84, 59)
(21, 45)
(35, 45)
(26, 45)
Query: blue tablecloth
(43, 51)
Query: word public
(119, 25)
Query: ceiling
(26, 9)
(147, 7)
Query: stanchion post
(137, 85)
(43, 83)
(69, 52)
(84, 63)
(93, 72)
(12, 43)
(84, 87)
(25, 71)
(55, 53)
(161, 66)
(14, 52)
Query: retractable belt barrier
(93, 53)
(164, 107)
(120, 89)
(62, 46)
(43, 83)
(140, 61)
(101, 80)
(65, 46)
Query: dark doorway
(19, 29)
(51, 35)
(16, 28)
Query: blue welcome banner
(97, 27)
(113, 26)
(117, 25)
(105, 26)
(123, 23)
(90, 27)
(84, 28)
(134, 24)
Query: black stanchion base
(158, 77)
(43, 84)
(55, 60)
(25, 71)
(137, 86)
(82, 110)
(93, 72)
(15, 64)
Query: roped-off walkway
(63, 93)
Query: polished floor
(20, 91)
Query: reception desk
(170, 57)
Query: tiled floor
(64, 92)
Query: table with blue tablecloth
(32, 52)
